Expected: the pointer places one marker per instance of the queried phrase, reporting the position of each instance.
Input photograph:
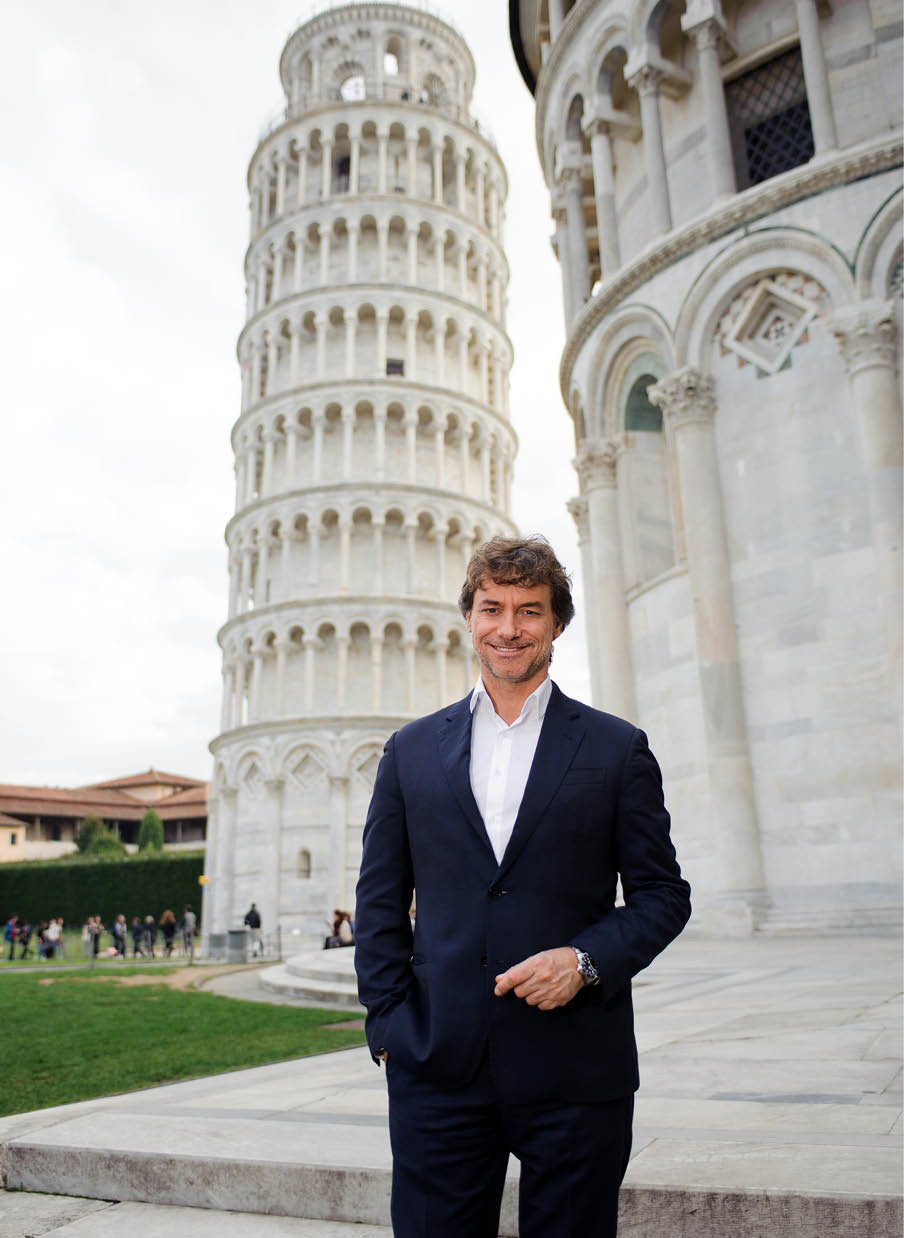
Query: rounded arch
(754, 256)
(635, 328)
(880, 249)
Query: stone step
(311, 988)
(59, 1216)
(180, 1166)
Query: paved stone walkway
(770, 1104)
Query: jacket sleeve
(656, 897)
(382, 925)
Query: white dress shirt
(501, 757)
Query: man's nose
(508, 623)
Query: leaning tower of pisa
(373, 449)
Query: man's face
(512, 629)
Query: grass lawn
(75, 1035)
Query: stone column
(437, 172)
(338, 840)
(462, 270)
(480, 195)
(228, 694)
(411, 556)
(378, 526)
(285, 575)
(411, 145)
(235, 568)
(816, 77)
(354, 163)
(295, 330)
(460, 190)
(439, 250)
(341, 671)
(867, 335)
(688, 401)
(578, 264)
(325, 253)
(245, 579)
(311, 644)
(411, 347)
(351, 328)
(320, 326)
(282, 649)
(408, 645)
(348, 430)
(353, 251)
(302, 191)
(439, 354)
(326, 168)
(560, 249)
(412, 256)
(272, 362)
(292, 431)
(411, 447)
(224, 873)
(376, 673)
(254, 705)
(269, 437)
(608, 632)
(439, 536)
(318, 419)
(439, 447)
(345, 546)
(708, 32)
(314, 554)
(271, 865)
(382, 161)
(380, 444)
(382, 329)
(647, 81)
(465, 454)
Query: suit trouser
(450, 1150)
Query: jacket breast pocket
(588, 777)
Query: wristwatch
(586, 966)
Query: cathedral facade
(725, 183)
(373, 449)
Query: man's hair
(524, 561)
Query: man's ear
(558, 632)
(468, 620)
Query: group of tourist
(343, 933)
(46, 939)
(43, 940)
(144, 934)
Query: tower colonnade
(725, 189)
(373, 447)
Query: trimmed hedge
(77, 887)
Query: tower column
(816, 77)
(647, 81)
(709, 35)
(867, 336)
(612, 672)
(688, 402)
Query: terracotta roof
(148, 778)
(5, 820)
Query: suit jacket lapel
(560, 736)
(455, 754)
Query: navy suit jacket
(592, 810)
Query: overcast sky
(126, 134)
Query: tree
(95, 838)
(150, 832)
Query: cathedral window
(395, 365)
(304, 863)
(770, 119)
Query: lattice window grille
(770, 119)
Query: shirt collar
(535, 703)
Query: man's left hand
(548, 980)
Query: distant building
(43, 822)
(725, 184)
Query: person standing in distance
(504, 1020)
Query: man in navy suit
(504, 1019)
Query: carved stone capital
(646, 80)
(580, 514)
(685, 397)
(867, 334)
(595, 464)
